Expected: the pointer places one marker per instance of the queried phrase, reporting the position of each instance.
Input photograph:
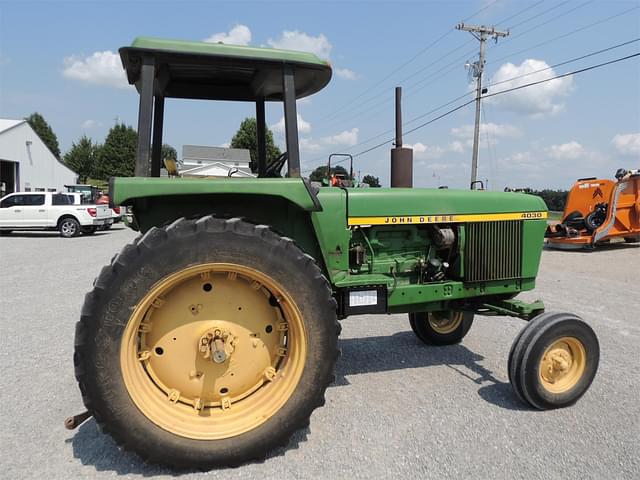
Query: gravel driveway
(398, 407)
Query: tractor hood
(377, 206)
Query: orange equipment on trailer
(598, 210)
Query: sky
(60, 58)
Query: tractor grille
(493, 250)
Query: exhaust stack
(401, 158)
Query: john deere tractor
(211, 338)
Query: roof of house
(212, 154)
(7, 123)
(215, 169)
(216, 71)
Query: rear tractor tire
(441, 328)
(553, 361)
(206, 343)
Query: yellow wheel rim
(563, 364)
(213, 351)
(445, 322)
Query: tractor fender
(125, 190)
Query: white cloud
(99, 68)
(309, 145)
(537, 100)
(346, 74)
(494, 129)
(425, 152)
(303, 126)
(456, 147)
(89, 124)
(567, 151)
(296, 40)
(346, 138)
(627, 143)
(238, 35)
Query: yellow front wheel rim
(445, 323)
(213, 351)
(563, 364)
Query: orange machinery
(598, 210)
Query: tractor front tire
(553, 360)
(206, 343)
(441, 328)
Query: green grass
(555, 216)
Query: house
(203, 161)
(26, 163)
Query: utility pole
(481, 33)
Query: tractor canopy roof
(214, 71)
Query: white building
(26, 164)
(201, 161)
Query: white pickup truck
(50, 211)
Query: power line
(349, 107)
(407, 62)
(573, 32)
(558, 5)
(566, 62)
(454, 63)
(531, 84)
(517, 14)
(619, 45)
(575, 72)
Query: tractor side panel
(332, 233)
(532, 242)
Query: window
(23, 201)
(61, 199)
(39, 189)
(11, 201)
(33, 200)
(28, 189)
(51, 189)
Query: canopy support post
(261, 132)
(291, 121)
(145, 112)
(156, 149)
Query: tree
(168, 152)
(371, 181)
(44, 131)
(117, 157)
(82, 158)
(246, 137)
(555, 199)
(320, 172)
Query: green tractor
(211, 338)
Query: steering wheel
(274, 167)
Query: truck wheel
(553, 360)
(441, 328)
(206, 343)
(69, 227)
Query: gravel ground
(398, 408)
